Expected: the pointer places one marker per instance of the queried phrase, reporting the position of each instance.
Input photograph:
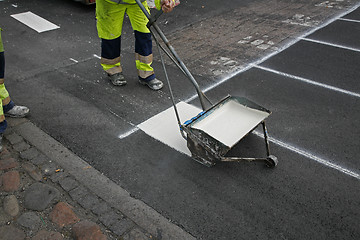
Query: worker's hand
(167, 5)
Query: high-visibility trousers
(5, 101)
(110, 17)
(1, 44)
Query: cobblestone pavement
(40, 200)
(227, 44)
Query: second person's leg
(110, 18)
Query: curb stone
(40, 194)
(43, 173)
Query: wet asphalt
(312, 194)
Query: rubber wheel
(271, 161)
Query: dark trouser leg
(110, 55)
(4, 96)
(144, 56)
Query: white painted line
(128, 133)
(349, 20)
(310, 81)
(75, 61)
(331, 44)
(164, 126)
(311, 156)
(35, 22)
(221, 82)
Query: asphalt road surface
(298, 59)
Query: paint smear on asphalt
(164, 126)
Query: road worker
(110, 15)
(7, 106)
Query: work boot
(154, 84)
(17, 112)
(117, 79)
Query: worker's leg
(4, 101)
(7, 105)
(110, 18)
(143, 47)
(110, 55)
(3, 123)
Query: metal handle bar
(201, 95)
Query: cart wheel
(271, 161)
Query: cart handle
(201, 95)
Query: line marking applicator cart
(216, 130)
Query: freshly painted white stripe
(76, 61)
(220, 82)
(164, 126)
(310, 81)
(128, 133)
(331, 44)
(35, 22)
(349, 20)
(311, 156)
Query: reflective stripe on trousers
(4, 94)
(109, 25)
(110, 56)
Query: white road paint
(302, 20)
(35, 22)
(310, 156)
(229, 123)
(75, 61)
(328, 4)
(331, 44)
(164, 126)
(349, 20)
(220, 82)
(128, 133)
(310, 81)
(257, 42)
